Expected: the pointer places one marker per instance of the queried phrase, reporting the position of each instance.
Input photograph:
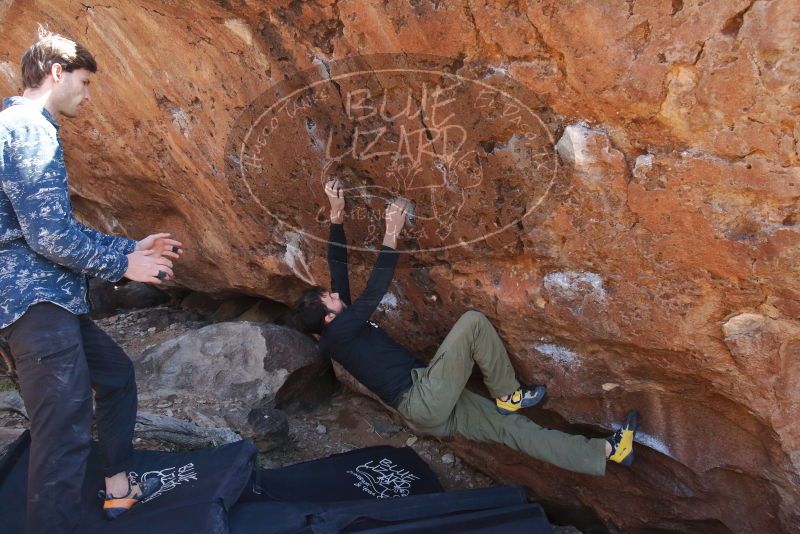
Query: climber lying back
(433, 399)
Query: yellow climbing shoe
(524, 397)
(622, 440)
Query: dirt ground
(346, 421)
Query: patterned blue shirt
(45, 253)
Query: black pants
(60, 357)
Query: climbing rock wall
(658, 270)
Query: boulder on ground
(239, 361)
(240, 370)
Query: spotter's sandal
(622, 440)
(113, 507)
(524, 397)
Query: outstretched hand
(146, 266)
(150, 261)
(161, 245)
(335, 193)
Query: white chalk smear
(295, 259)
(653, 442)
(572, 285)
(388, 302)
(558, 353)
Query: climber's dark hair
(308, 313)
(48, 49)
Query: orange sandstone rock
(655, 266)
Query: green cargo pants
(439, 405)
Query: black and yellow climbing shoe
(524, 397)
(622, 440)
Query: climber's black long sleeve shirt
(360, 345)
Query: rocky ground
(343, 422)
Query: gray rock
(11, 401)
(384, 428)
(268, 427)
(246, 362)
(448, 459)
(322, 429)
(200, 418)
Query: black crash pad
(380, 472)
(378, 490)
(199, 488)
